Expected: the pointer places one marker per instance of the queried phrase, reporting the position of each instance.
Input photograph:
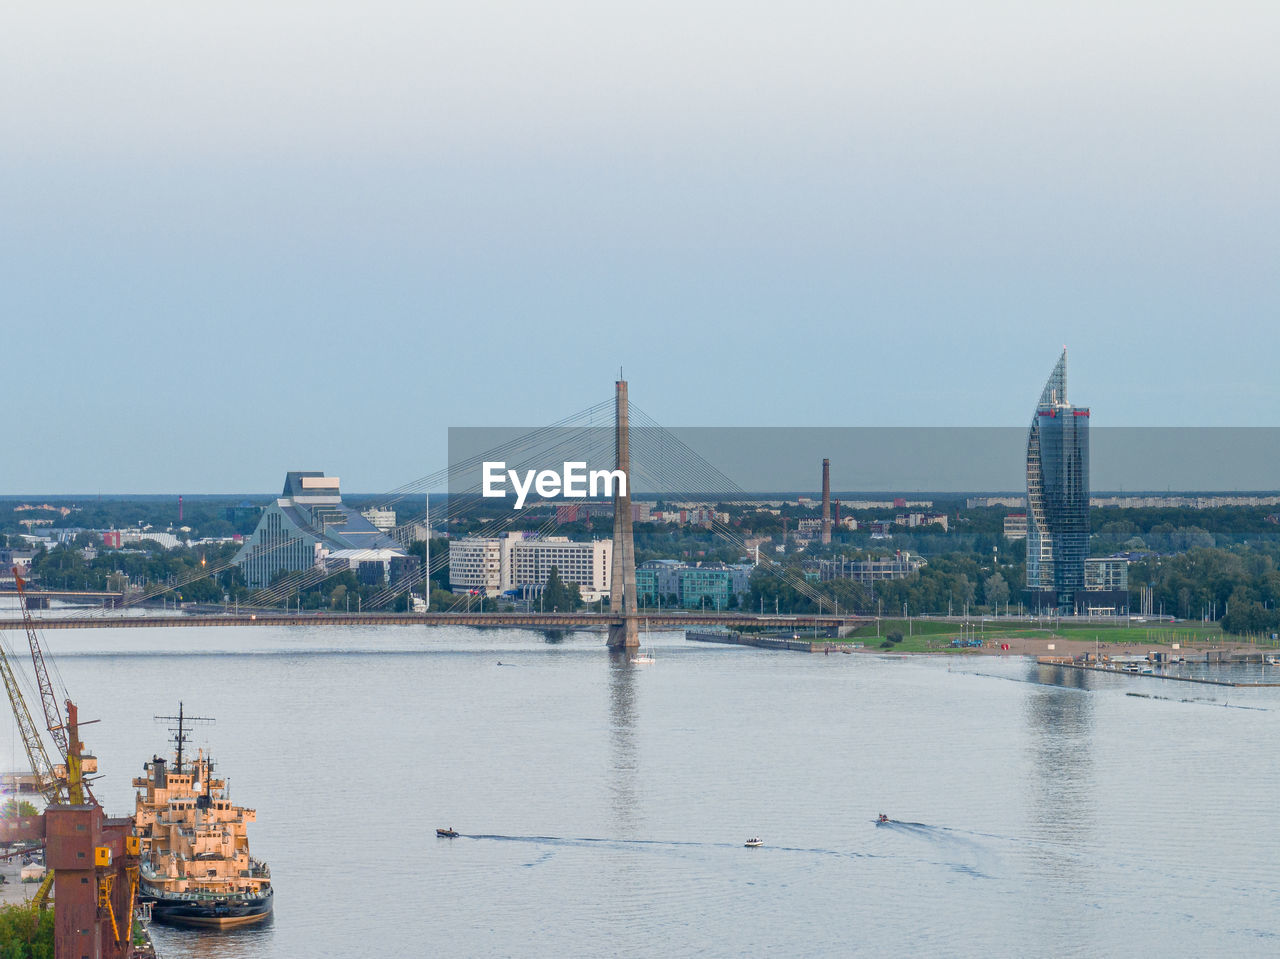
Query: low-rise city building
(693, 586)
(714, 586)
(9, 558)
(983, 502)
(912, 520)
(125, 537)
(414, 531)
(1109, 572)
(808, 528)
(1015, 526)
(898, 566)
(1183, 502)
(383, 519)
(475, 565)
(896, 503)
(688, 516)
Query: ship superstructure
(196, 868)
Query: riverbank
(1060, 645)
(1038, 637)
(1077, 641)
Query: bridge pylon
(624, 632)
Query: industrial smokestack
(826, 501)
(179, 508)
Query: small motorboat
(449, 833)
(754, 841)
(882, 818)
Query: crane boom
(47, 781)
(48, 699)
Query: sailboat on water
(644, 655)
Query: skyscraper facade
(1057, 497)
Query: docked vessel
(196, 869)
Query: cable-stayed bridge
(655, 620)
(651, 457)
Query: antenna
(180, 732)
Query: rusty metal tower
(624, 633)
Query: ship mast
(180, 733)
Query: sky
(246, 238)
(725, 461)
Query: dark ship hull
(220, 913)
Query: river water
(603, 806)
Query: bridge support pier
(624, 635)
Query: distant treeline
(207, 516)
(1217, 563)
(1238, 586)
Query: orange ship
(196, 869)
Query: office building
(475, 565)
(586, 565)
(521, 562)
(693, 586)
(1057, 497)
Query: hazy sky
(904, 459)
(238, 239)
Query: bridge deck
(110, 620)
(67, 594)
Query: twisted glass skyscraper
(1057, 496)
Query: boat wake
(598, 841)
(968, 856)
(950, 835)
(974, 853)
(595, 841)
(1199, 701)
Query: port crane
(48, 783)
(99, 891)
(73, 786)
(56, 785)
(64, 786)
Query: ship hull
(215, 914)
